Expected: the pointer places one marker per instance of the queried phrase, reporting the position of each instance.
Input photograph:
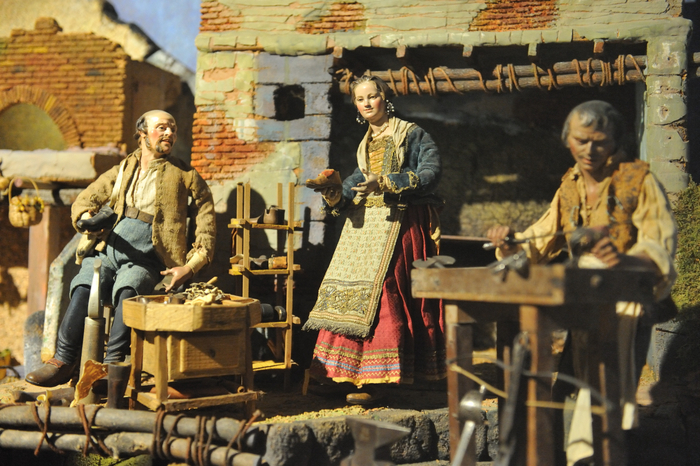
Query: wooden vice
(543, 299)
(184, 341)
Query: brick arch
(48, 103)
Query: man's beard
(159, 148)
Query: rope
(392, 83)
(535, 71)
(166, 442)
(499, 77)
(44, 428)
(552, 80)
(481, 81)
(585, 77)
(430, 79)
(449, 80)
(235, 437)
(156, 444)
(404, 80)
(98, 447)
(513, 78)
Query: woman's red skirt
(408, 339)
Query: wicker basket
(25, 211)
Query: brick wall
(509, 15)
(76, 78)
(217, 152)
(341, 17)
(218, 17)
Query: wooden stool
(185, 341)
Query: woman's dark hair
(382, 87)
(600, 115)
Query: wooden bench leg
(459, 349)
(136, 367)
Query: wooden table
(549, 297)
(184, 341)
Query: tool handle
(508, 239)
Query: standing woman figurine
(372, 331)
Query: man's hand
(497, 235)
(179, 276)
(606, 251)
(368, 186)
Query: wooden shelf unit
(281, 343)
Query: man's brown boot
(52, 373)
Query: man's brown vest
(623, 194)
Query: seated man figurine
(148, 193)
(621, 200)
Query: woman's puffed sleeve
(422, 166)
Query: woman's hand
(179, 274)
(370, 185)
(497, 235)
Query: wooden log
(566, 67)
(128, 444)
(585, 73)
(68, 419)
(506, 85)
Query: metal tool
(435, 262)
(470, 413)
(513, 240)
(93, 338)
(370, 435)
(517, 262)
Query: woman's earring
(389, 108)
(360, 119)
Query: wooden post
(44, 247)
(540, 447)
(603, 369)
(459, 349)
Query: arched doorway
(24, 126)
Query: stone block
(265, 100)
(314, 156)
(663, 109)
(272, 69)
(241, 107)
(664, 143)
(668, 84)
(294, 44)
(71, 167)
(246, 129)
(271, 130)
(410, 23)
(224, 85)
(666, 56)
(208, 97)
(244, 80)
(310, 69)
(310, 128)
(673, 182)
(317, 99)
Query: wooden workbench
(548, 297)
(176, 342)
